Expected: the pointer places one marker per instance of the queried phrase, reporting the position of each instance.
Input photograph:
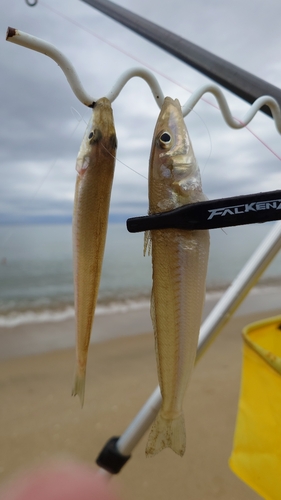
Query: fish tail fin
(166, 433)
(79, 387)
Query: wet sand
(39, 419)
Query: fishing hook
(31, 4)
(39, 45)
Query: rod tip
(10, 32)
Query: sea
(36, 280)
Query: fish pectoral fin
(166, 433)
(147, 243)
(79, 387)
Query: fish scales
(179, 262)
(95, 167)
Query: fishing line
(58, 156)
(260, 140)
(49, 170)
(122, 163)
(115, 157)
(114, 46)
(76, 115)
(210, 141)
(79, 118)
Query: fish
(95, 166)
(179, 268)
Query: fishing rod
(212, 214)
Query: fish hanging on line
(179, 268)
(95, 167)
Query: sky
(42, 122)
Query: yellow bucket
(256, 454)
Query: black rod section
(233, 78)
(224, 212)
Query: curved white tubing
(222, 102)
(141, 73)
(39, 45)
(32, 42)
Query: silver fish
(179, 261)
(95, 166)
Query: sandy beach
(39, 419)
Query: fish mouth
(82, 164)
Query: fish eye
(94, 136)
(165, 139)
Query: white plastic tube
(39, 45)
(32, 42)
(221, 100)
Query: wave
(268, 286)
(14, 318)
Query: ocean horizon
(36, 281)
